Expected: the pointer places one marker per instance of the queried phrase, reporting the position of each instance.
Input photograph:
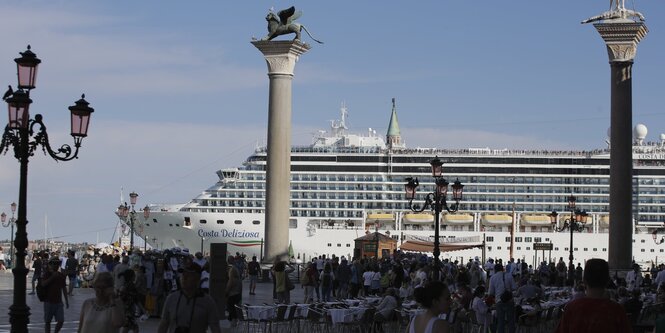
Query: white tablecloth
(346, 315)
(261, 312)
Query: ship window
(237, 222)
(293, 224)
(188, 222)
(220, 221)
(556, 249)
(203, 221)
(329, 245)
(170, 224)
(518, 239)
(528, 239)
(490, 238)
(642, 250)
(528, 248)
(547, 239)
(154, 220)
(661, 250)
(595, 249)
(604, 249)
(565, 249)
(507, 239)
(339, 245)
(642, 241)
(256, 222)
(652, 250)
(519, 248)
(575, 249)
(349, 245)
(537, 239)
(498, 247)
(586, 249)
(147, 224)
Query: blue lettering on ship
(235, 233)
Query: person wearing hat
(189, 310)
(56, 288)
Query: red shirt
(593, 315)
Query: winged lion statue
(283, 23)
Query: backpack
(326, 282)
(304, 278)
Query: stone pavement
(263, 295)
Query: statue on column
(283, 23)
(617, 11)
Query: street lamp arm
(9, 138)
(64, 153)
(429, 204)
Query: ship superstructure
(345, 185)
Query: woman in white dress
(105, 313)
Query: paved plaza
(263, 295)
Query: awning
(422, 246)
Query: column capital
(621, 38)
(281, 56)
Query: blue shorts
(54, 310)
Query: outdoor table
(261, 312)
(346, 315)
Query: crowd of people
(488, 289)
(129, 287)
(173, 285)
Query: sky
(179, 92)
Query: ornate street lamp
(576, 222)
(435, 201)
(125, 211)
(25, 135)
(11, 223)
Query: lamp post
(25, 135)
(435, 201)
(576, 222)
(11, 223)
(125, 211)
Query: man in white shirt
(634, 278)
(500, 282)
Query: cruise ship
(345, 186)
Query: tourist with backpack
(308, 280)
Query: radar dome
(640, 132)
(662, 137)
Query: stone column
(281, 57)
(621, 37)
